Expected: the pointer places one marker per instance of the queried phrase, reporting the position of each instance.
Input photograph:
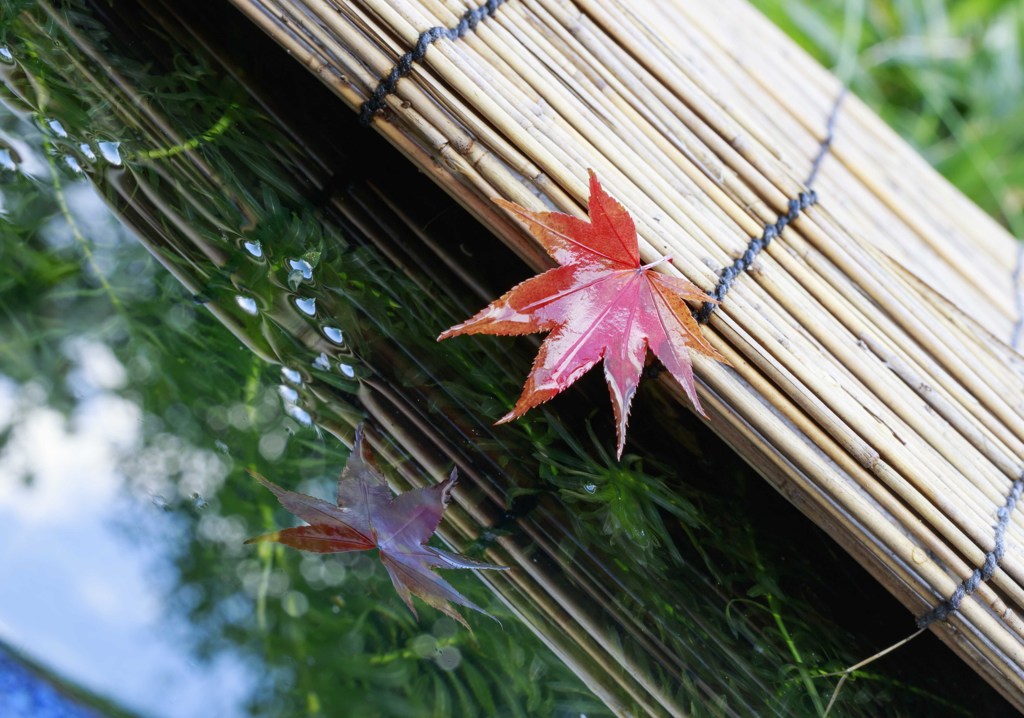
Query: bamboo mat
(872, 380)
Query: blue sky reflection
(90, 558)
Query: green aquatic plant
(290, 313)
(626, 500)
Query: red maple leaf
(368, 516)
(599, 303)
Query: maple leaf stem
(655, 263)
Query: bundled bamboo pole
(869, 378)
(177, 208)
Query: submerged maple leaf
(601, 302)
(368, 516)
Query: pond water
(207, 267)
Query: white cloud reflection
(82, 590)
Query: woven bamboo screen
(872, 379)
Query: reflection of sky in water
(85, 559)
(22, 695)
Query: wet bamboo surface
(871, 377)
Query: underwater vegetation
(264, 278)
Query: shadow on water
(674, 582)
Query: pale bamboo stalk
(548, 86)
(896, 554)
(750, 38)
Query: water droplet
(291, 375)
(307, 306)
(57, 128)
(87, 151)
(448, 658)
(288, 394)
(73, 164)
(248, 304)
(7, 161)
(302, 267)
(334, 572)
(273, 445)
(300, 415)
(445, 627)
(334, 334)
(6, 55)
(424, 645)
(295, 603)
(254, 248)
(347, 370)
(590, 488)
(322, 362)
(111, 152)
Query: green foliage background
(947, 76)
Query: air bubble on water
(347, 370)
(448, 658)
(288, 394)
(6, 55)
(334, 334)
(111, 152)
(87, 152)
(248, 304)
(304, 268)
(7, 161)
(57, 128)
(424, 645)
(291, 375)
(253, 248)
(73, 164)
(273, 444)
(334, 573)
(322, 362)
(295, 603)
(590, 488)
(300, 415)
(306, 305)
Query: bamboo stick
(860, 381)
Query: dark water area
(208, 266)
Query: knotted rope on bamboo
(403, 67)
(729, 274)
(970, 584)
(756, 245)
(774, 229)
